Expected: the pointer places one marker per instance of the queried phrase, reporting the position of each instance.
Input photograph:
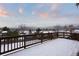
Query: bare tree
(22, 28)
(71, 28)
(57, 28)
(65, 28)
(38, 30)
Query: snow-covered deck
(58, 47)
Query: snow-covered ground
(57, 47)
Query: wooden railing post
(42, 38)
(0, 46)
(70, 35)
(57, 33)
(50, 36)
(24, 42)
(63, 34)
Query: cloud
(43, 15)
(54, 6)
(34, 12)
(51, 12)
(54, 10)
(42, 18)
(40, 5)
(20, 10)
(3, 13)
(38, 8)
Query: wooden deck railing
(8, 44)
(75, 36)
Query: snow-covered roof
(76, 31)
(33, 31)
(4, 31)
(23, 32)
(45, 31)
(63, 31)
(51, 31)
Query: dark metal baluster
(4, 45)
(57, 34)
(0, 46)
(11, 42)
(17, 42)
(7, 44)
(22, 41)
(30, 40)
(42, 36)
(51, 36)
(64, 34)
(14, 43)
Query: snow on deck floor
(57, 47)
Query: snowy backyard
(39, 29)
(57, 47)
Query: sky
(38, 14)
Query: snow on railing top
(76, 31)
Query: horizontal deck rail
(8, 44)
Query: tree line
(22, 28)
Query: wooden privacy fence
(8, 44)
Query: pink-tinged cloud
(3, 12)
(43, 15)
(52, 11)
